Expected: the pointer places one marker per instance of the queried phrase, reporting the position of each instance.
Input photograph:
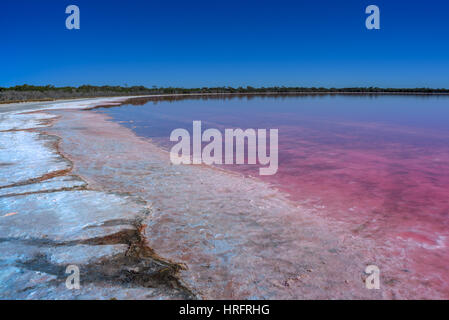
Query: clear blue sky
(214, 43)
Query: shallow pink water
(380, 166)
(394, 193)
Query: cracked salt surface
(46, 223)
(52, 184)
(13, 121)
(29, 156)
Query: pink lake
(377, 164)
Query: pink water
(380, 165)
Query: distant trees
(49, 92)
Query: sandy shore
(79, 189)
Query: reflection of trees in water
(240, 96)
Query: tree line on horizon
(49, 92)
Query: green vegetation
(34, 93)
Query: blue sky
(215, 43)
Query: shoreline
(196, 223)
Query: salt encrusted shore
(78, 189)
(50, 218)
